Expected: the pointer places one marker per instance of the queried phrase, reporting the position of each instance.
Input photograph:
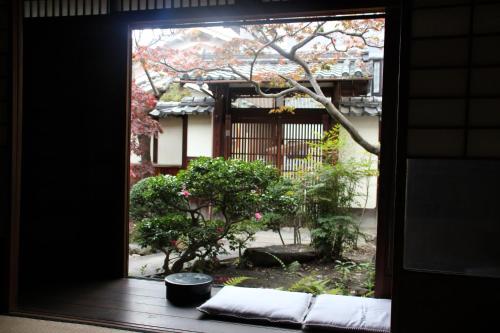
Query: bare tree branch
(295, 59)
(270, 38)
(258, 88)
(256, 55)
(156, 92)
(351, 34)
(338, 116)
(306, 40)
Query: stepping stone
(261, 256)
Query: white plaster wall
(199, 136)
(134, 159)
(369, 129)
(170, 142)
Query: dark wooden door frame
(390, 138)
(16, 153)
(388, 156)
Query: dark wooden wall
(74, 149)
(449, 108)
(5, 152)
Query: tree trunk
(145, 147)
(145, 168)
(337, 249)
(166, 262)
(281, 236)
(187, 256)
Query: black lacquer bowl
(188, 288)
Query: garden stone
(260, 256)
(136, 249)
(360, 291)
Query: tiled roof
(161, 82)
(303, 103)
(188, 105)
(349, 106)
(346, 69)
(361, 106)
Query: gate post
(227, 137)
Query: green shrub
(333, 234)
(281, 206)
(190, 214)
(310, 284)
(330, 192)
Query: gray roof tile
(346, 69)
(188, 105)
(361, 106)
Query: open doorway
(288, 114)
(98, 294)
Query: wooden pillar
(336, 94)
(327, 122)
(218, 119)
(279, 145)
(155, 150)
(184, 141)
(227, 136)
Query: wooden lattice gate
(288, 145)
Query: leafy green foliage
(155, 196)
(346, 270)
(369, 283)
(174, 93)
(330, 191)
(333, 234)
(293, 267)
(281, 205)
(190, 214)
(313, 285)
(234, 281)
(143, 269)
(162, 232)
(342, 283)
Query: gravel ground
(146, 265)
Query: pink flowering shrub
(192, 215)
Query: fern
(282, 264)
(234, 281)
(310, 284)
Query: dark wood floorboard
(139, 303)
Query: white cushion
(350, 313)
(260, 304)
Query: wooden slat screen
(299, 149)
(254, 141)
(287, 146)
(58, 8)
(453, 94)
(134, 5)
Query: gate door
(288, 146)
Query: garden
(217, 206)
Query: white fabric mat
(350, 313)
(259, 304)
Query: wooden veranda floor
(128, 303)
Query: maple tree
(311, 46)
(142, 128)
